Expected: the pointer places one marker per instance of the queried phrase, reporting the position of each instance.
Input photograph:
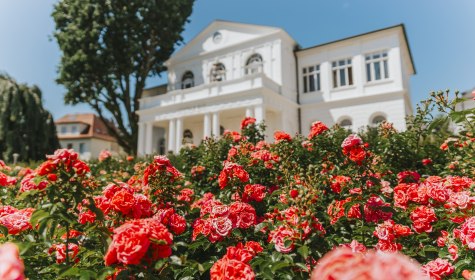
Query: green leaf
(87, 274)
(159, 264)
(73, 271)
(26, 194)
(303, 251)
(3, 230)
(278, 266)
(38, 216)
(302, 266)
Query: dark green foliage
(109, 48)
(26, 127)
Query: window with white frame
(377, 66)
(377, 120)
(311, 78)
(188, 80)
(187, 136)
(253, 64)
(346, 123)
(218, 73)
(342, 72)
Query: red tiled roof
(95, 127)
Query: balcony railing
(204, 91)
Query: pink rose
(11, 266)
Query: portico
(172, 131)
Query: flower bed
(369, 206)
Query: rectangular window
(342, 73)
(74, 129)
(311, 78)
(377, 66)
(64, 129)
(82, 148)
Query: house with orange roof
(85, 133)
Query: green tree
(26, 127)
(109, 48)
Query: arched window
(187, 136)
(188, 80)
(253, 64)
(377, 120)
(221, 130)
(346, 123)
(218, 73)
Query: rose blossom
(247, 121)
(132, 240)
(226, 269)
(467, 233)
(11, 266)
(104, 154)
(343, 263)
(422, 217)
(317, 129)
(438, 268)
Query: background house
(232, 70)
(86, 134)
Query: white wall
(356, 49)
(92, 147)
(360, 112)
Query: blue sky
(441, 36)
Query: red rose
(282, 136)
(316, 129)
(294, 193)
(351, 141)
(254, 192)
(7, 180)
(426, 161)
(177, 224)
(242, 215)
(132, 240)
(122, 201)
(438, 268)
(422, 217)
(247, 121)
(281, 236)
(226, 269)
(17, 221)
(222, 225)
(60, 252)
(467, 233)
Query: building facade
(232, 70)
(86, 134)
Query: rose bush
(244, 206)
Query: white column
(179, 134)
(206, 126)
(249, 112)
(216, 129)
(148, 138)
(171, 135)
(259, 113)
(140, 140)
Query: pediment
(219, 35)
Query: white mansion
(232, 70)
